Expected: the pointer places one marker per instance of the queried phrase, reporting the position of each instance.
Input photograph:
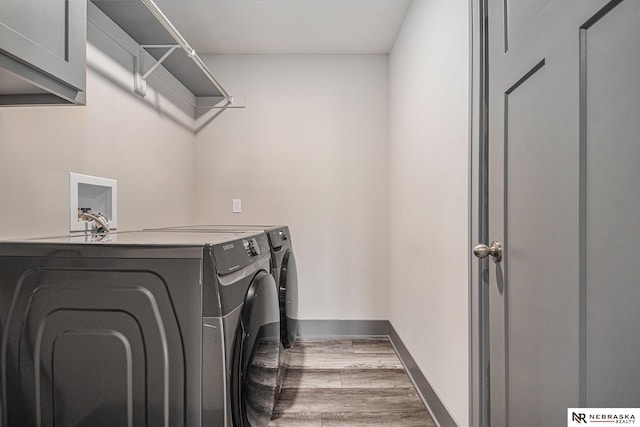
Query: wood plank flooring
(347, 382)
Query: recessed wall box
(95, 194)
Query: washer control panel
(236, 254)
(252, 247)
(279, 237)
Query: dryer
(138, 328)
(284, 270)
(251, 324)
(286, 274)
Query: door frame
(478, 216)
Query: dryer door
(288, 300)
(256, 353)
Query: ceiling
(287, 26)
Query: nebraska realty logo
(579, 416)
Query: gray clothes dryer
(284, 270)
(138, 329)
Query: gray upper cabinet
(42, 52)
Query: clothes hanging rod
(164, 21)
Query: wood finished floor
(351, 382)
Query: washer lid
(288, 300)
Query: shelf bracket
(140, 79)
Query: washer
(251, 324)
(284, 270)
(138, 328)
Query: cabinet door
(48, 35)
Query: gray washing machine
(284, 270)
(138, 329)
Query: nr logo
(579, 418)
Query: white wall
(429, 172)
(355, 153)
(115, 136)
(309, 150)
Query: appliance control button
(254, 249)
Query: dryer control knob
(254, 248)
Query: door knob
(495, 250)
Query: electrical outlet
(237, 205)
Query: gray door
(564, 199)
